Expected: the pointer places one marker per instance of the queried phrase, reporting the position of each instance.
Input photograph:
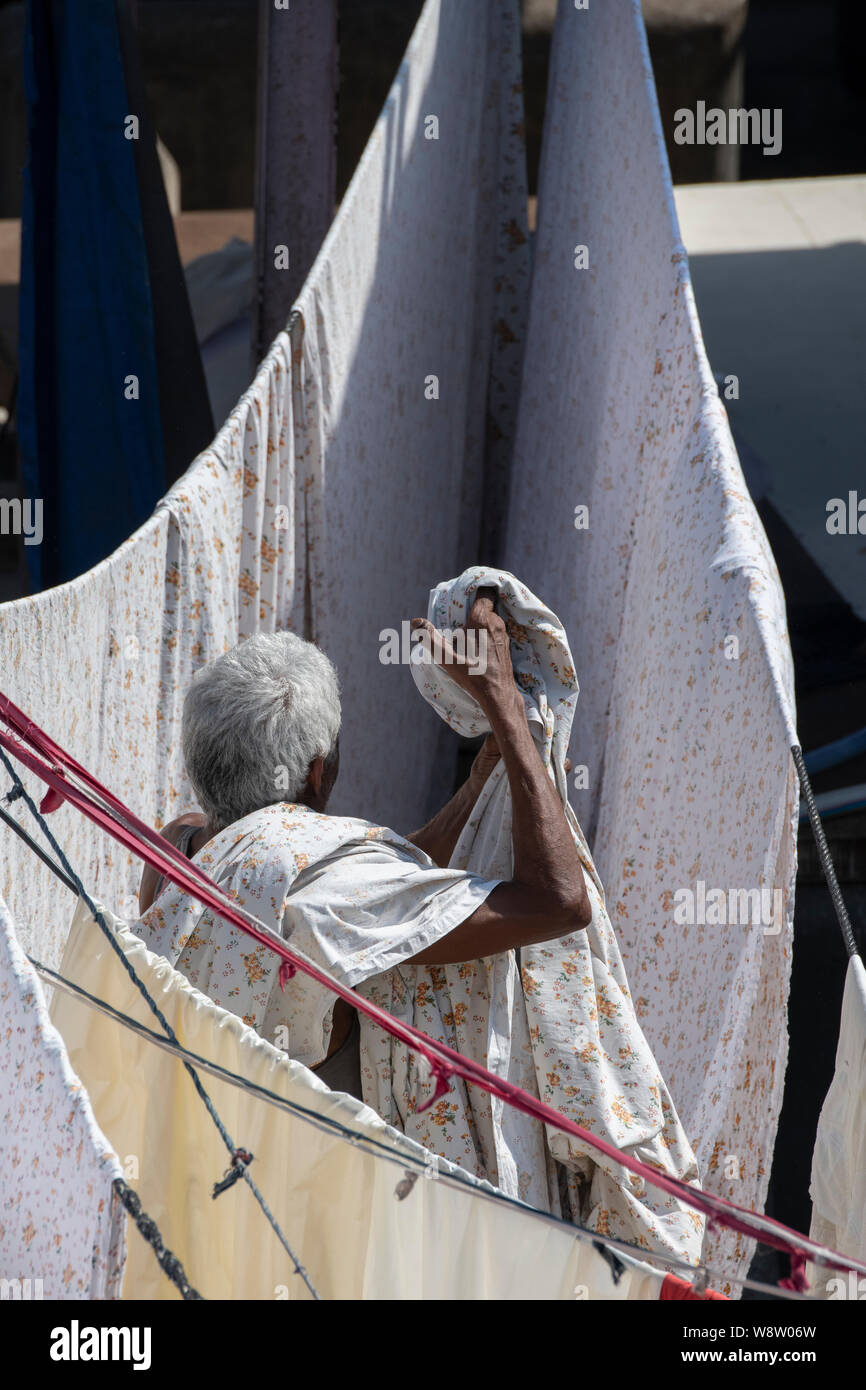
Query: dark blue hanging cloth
(112, 401)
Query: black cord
(168, 1262)
(824, 852)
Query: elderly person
(432, 945)
(261, 745)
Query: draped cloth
(342, 482)
(838, 1186)
(356, 898)
(563, 1024)
(383, 1222)
(103, 663)
(407, 346)
(62, 1230)
(672, 602)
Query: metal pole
(295, 153)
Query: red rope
(679, 1291)
(155, 850)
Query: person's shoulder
(173, 828)
(287, 831)
(342, 835)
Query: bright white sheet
(671, 599)
(838, 1186)
(423, 276)
(62, 1230)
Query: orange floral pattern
(564, 1026)
(684, 737)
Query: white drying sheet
(562, 1025)
(103, 663)
(684, 733)
(422, 275)
(62, 1230)
(838, 1186)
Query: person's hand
(483, 668)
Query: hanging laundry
(354, 469)
(84, 661)
(407, 357)
(362, 1225)
(629, 512)
(236, 554)
(838, 1186)
(563, 1026)
(62, 1231)
(103, 663)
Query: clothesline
(124, 826)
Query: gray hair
(254, 720)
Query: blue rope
(239, 1164)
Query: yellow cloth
(334, 1201)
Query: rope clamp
(241, 1159)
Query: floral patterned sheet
(672, 602)
(407, 355)
(103, 663)
(62, 1231)
(562, 1025)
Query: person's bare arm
(171, 831)
(546, 897)
(439, 836)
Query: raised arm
(440, 835)
(546, 897)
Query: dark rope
(81, 891)
(824, 852)
(168, 1263)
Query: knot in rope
(241, 1159)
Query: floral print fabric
(407, 354)
(672, 602)
(62, 1231)
(569, 1032)
(103, 663)
(83, 661)
(353, 897)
